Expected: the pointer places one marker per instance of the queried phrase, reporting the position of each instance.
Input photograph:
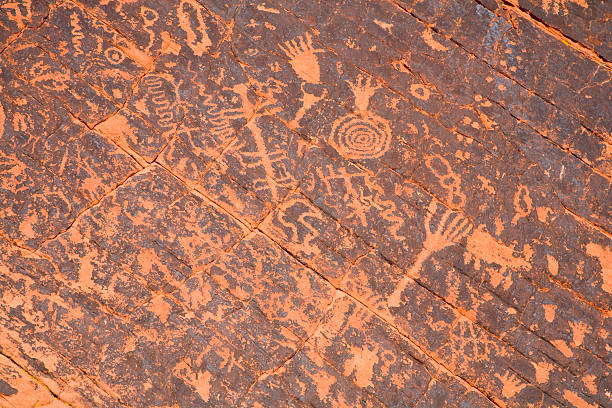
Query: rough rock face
(329, 203)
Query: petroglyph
(604, 256)
(332, 204)
(560, 6)
(361, 135)
(191, 21)
(19, 11)
(149, 17)
(452, 227)
(448, 179)
(77, 34)
(303, 59)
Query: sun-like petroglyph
(452, 227)
(363, 134)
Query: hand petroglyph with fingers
(451, 229)
(302, 57)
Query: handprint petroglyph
(452, 227)
(361, 135)
(302, 57)
(303, 60)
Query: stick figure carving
(451, 229)
(361, 135)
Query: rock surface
(328, 203)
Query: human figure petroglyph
(197, 37)
(451, 229)
(361, 135)
(522, 204)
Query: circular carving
(360, 137)
(114, 55)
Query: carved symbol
(163, 105)
(197, 39)
(449, 180)
(114, 55)
(357, 137)
(149, 17)
(304, 62)
(556, 5)
(363, 135)
(16, 15)
(77, 34)
(522, 204)
(604, 256)
(302, 58)
(453, 227)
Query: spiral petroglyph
(360, 137)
